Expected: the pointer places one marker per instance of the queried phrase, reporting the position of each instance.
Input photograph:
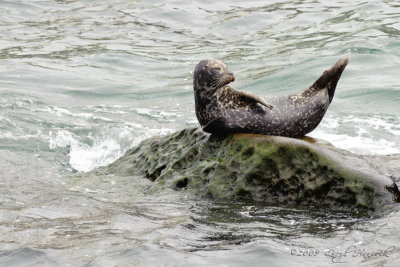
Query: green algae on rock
(270, 169)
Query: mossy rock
(263, 168)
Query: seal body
(221, 109)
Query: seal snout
(232, 76)
(225, 79)
(229, 77)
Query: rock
(270, 169)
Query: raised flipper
(217, 126)
(249, 97)
(330, 78)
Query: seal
(221, 110)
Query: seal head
(210, 75)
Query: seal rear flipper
(330, 78)
(217, 126)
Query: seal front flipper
(330, 78)
(247, 96)
(217, 126)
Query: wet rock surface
(271, 169)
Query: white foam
(63, 138)
(143, 111)
(373, 135)
(105, 148)
(134, 125)
(85, 158)
(18, 136)
(157, 114)
(359, 144)
(82, 156)
(64, 112)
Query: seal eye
(217, 68)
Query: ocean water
(83, 81)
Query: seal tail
(331, 77)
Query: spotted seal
(220, 109)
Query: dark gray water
(83, 81)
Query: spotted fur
(220, 109)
